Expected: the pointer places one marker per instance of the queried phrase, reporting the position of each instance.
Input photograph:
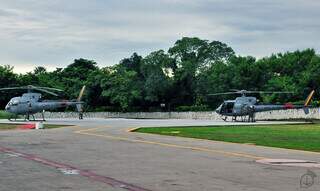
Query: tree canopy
(178, 79)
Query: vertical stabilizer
(307, 102)
(79, 105)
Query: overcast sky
(52, 33)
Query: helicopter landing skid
(226, 118)
(244, 118)
(248, 118)
(26, 118)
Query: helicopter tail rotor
(307, 102)
(309, 98)
(81, 93)
(80, 104)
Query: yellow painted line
(62, 127)
(133, 129)
(226, 153)
(86, 130)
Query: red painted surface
(85, 173)
(27, 126)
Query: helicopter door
(229, 107)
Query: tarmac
(102, 154)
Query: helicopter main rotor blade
(31, 87)
(15, 88)
(269, 92)
(243, 92)
(52, 89)
(224, 93)
(12, 88)
(46, 91)
(46, 88)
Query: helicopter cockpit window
(14, 102)
(228, 107)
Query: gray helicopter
(31, 103)
(246, 107)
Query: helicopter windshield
(227, 107)
(13, 102)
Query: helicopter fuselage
(243, 106)
(31, 103)
(246, 106)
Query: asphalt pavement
(102, 154)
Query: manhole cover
(290, 162)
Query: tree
(193, 58)
(39, 70)
(157, 72)
(94, 83)
(75, 75)
(201, 53)
(183, 76)
(133, 63)
(122, 87)
(7, 79)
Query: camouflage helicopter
(31, 103)
(246, 107)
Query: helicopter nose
(218, 111)
(7, 108)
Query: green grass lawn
(5, 115)
(16, 126)
(8, 126)
(297, 136)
